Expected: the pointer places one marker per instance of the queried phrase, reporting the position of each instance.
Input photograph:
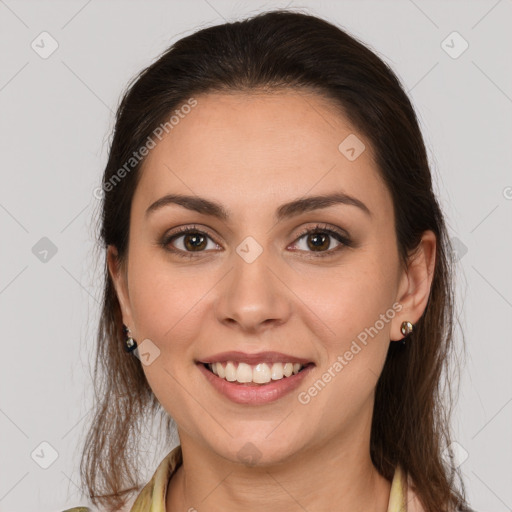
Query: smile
(256, 386)
(260, 373)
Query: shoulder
(87, 509)
(412, 502)
(152, 496)
(153, 493)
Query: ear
(118, 274)
(415, 284)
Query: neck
(339, 472)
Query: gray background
(56, 117)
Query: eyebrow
(287, 210)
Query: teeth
(244, 373)
(277, 371)
(220, 370)
(260, 373)
(230, 372)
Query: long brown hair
(280, 50)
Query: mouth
(257, 378)
(258, 374)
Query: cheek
(165, 300)
(357, 306)
(167, 309)
(351, 297)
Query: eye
(188, 239)
(318, 240)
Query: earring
(129, 343)
(406, 328)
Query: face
(316, 282)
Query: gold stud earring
(406, 328)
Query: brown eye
(319, 241)
(186, 241)
(194, 242)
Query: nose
(253, 298)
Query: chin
(256, 451)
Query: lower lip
(255, 394)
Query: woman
(278, 272)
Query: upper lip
(259, 357)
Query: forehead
(253, 149)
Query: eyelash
(322, 229)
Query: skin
(252, 153)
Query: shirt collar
(152, 497)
